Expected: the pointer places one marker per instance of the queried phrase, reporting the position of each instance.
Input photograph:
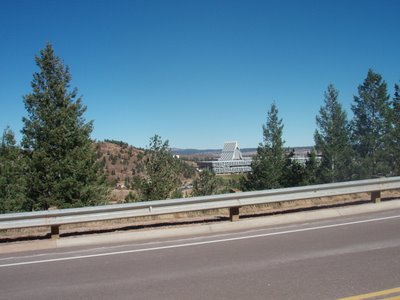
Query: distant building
(231, 161)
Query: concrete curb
(198, 229)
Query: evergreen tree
(293, 171)
(394, 137)
(162, 172)
(269, 161)
(311, 169)
(370, 126)
(62, 165)
(12, 179)
(206, 184)
(332, 140)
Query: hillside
(120, 161)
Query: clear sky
(199, 72)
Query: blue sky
(199, 73)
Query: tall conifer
(394, 137)
(332, 140)
(12, 174)
(162, 178)
(370, 126)
(63, 170)
(268, 163)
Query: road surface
(327, 259)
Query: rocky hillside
(121, 162)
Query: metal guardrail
(56, 218)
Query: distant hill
(206, 151)
(199, 154)
(189, 152)
(121, 162)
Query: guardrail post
(234, 213)
(376, 196)
(55, 231)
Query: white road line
(196, 243)
(147, 243)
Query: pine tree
(394, 136)
(269, 161)
(311, 169)
(12, 171)
(332, 140)
(62, 165)
(206, 184)
(293, 171)
(162, 172)
(370, 126)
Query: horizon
(172, 148)
(199, 73)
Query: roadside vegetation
(367, 146)
(58, 165)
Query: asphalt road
(327, 259)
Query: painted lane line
(198, 243)
(147, 243)
(375, 294)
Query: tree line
(56, 165)
(367, 146)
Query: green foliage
(140, 156)
(269, 161)
(207, 184)
(176, 194)
(131, 197)
(332, 140)
(232, 182)
(12, 179)
(62, 165)
(293, 172)
(394, 136)
(370, 126)
(103, 162)
(310, 171)
(162, 172)
(127, 182)
(113, 159)
(186, 170)
(59, 165)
